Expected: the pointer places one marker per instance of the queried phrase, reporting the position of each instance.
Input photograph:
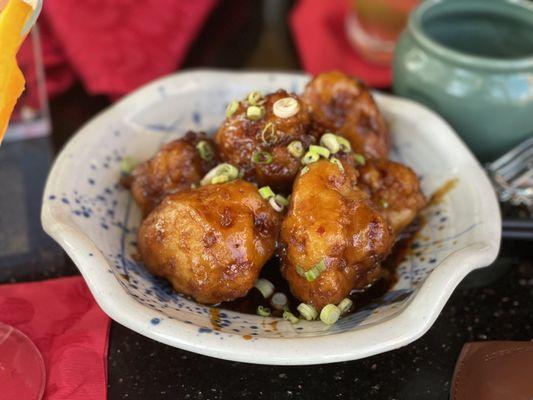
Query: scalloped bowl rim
(399, 330)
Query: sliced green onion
(307, 311)
(223, 169)
(304, 170)
(279, 301)
(338, 163)
(205, 150)
(232, 107)
(312, 273)
(254, 97)
(266, 193)
(310, 157)
(265, 287)
(219, 179)
(254, 112)
(330, 314)
(263, 311)
(384, 203)
(359, 158)
(320, 150)
(286, 107)
(275, 205)
(296, 148)
(128, 164)
(262, 157)
(344, 144)
(329, 140)
(281, 200)
(268, 134)
(287, 315)
(345, 305)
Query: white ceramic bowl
(94, 220)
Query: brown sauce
(438, 195)
(361, 298)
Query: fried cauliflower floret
(394, 189)
(174, 168)
(210, 242)
(341, 104)
(240, 137)
(331, 221)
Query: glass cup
(31, 116)
(22, 371)
(373, 27)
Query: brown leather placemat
(494, 371)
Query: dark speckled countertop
(494, 303)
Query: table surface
(491, 304)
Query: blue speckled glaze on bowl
(95, 220)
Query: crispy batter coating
(175, 167)
(394, 189)
(331, 219)
(240, 137)
(210, 242)
(343, 105)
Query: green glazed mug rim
(415, 28)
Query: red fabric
(63, 320)
(114, 46)
(319, 33)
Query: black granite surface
(494, 303)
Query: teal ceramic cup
(471, 61)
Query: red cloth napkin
(114, 46)
(318, 29)
(63, 320)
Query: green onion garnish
(275, 205)
(359, 158)
(128, 164)
(232, 107)
(304, 170)
(338, 163)
(279, 301)
(266, 193)
(345, 305)
(265, 287)
(268, 134)
(254, 112)
(287, 315)
(329, 140)
(262, 157)
(307, 311)
(310, 157)
(330, 314)
(219, 179)
(344, 144)
(286, 107)
(281, 200)
(296, 148)
(313, 273)
(227, 170)
(205, 150)
(254, 97)
(263, 311)
(384, 203)
(321, 151)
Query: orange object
(12, 20)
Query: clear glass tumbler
(373, 27)
(31, 117)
